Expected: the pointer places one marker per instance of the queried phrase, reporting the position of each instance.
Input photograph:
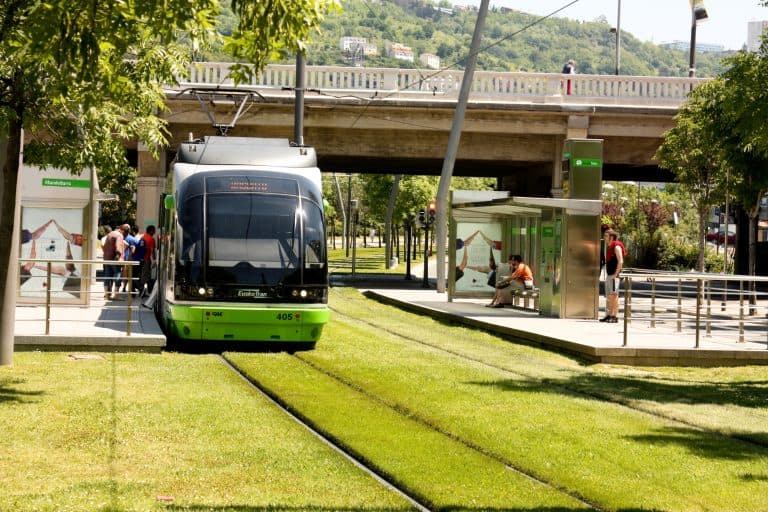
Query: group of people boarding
(126, 244)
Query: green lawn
(654, 439)
(461, 418)
(368, 260)
(148, 432)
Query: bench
(528, 298)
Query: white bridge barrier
(492, 86)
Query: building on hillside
(400, 51)
(700, 47)
(430, 60)
(755, 30)
(349, 43)
(355, 49)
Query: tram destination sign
(245, 183)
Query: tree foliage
(85, 76)
(720, 138)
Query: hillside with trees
(512, 41)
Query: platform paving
(101, 325)
(590, 339)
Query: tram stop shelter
(59, 212)
(558, 238)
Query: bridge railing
(487, 85)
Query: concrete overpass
(398, 121)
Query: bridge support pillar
(150, 183)
(557, 169)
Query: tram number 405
(286, 316)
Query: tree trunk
(753, 212)
(10, 159)
(702, 239)
(341, 211)
(388, 221)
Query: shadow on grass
(752, 394)
(308, 508)
(735, 446)
(704, 444)
(219, 347)
(9, 393)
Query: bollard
(708, 286)
(626, 310)
(48, 299)
(130, 300)
(741, 311)
(698, 310)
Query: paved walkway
(595, 341)
(103, 325)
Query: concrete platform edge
(631, 356)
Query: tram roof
(217, 150)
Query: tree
(744, 135)
(84, 76)
(692, 152)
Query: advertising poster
(56, 234)
(478, 252)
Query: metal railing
(487, 85)
(721, 305)
(89, 288)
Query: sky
(657, 21)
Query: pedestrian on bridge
(569, 69)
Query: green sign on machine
(587, 162)
(547, 231)
(66, 183)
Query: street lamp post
(698, 13)
(618, 39)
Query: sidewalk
(103, 325)
(595, 341)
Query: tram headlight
(201, 291)
(295, 293)
(303, 293)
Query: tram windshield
(252, 239)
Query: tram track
(572, 390)
(356, 459)
(359, 461)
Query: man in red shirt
(614, 261)
(146, 247)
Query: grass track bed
(616, 457)
(117, 432)
(439, 471)
(680, 394)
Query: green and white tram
(242, 243)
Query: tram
(242, 251)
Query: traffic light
(432, 211)
(422, 218)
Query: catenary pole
(298, 114)
(441, 214)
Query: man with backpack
(614, 261)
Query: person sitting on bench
(520, 278)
